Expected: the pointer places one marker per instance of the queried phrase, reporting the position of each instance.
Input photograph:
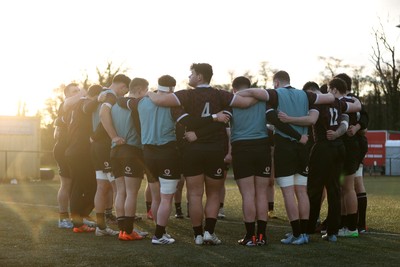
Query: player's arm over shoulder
(165, 100)
(313, 98)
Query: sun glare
(235, 41)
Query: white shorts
(359, 172)
(167, 186)
(100, 175)
(291, 180)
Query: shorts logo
(167, 172)
(128, 170)
(219, 172)
(306, 171)
(267, 170)
(107, 166)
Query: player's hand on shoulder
(352, 130)
(283, 117)
(190, 136)
(228, 158)
(101, 98)
(222, 117)
(331, 135)
(118, 140)
(304, 139)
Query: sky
(47, 43)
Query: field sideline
(29, 235)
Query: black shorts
(61, 159)
(251, 158)
(101, 156)
(363, 143)
(203, 161)
(290, 157)
(127, 160)
(352, 159)
(162, 161)
(326, 159)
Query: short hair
(94, 90)
(136, 85)
(339, 84)
(241, 82)
(167, 80)
(122, 78)
(346, 78)
(324, 88)
(66, 89)
(312, 86)
(281, 76)
(204, 69)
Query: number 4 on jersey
(206, 110)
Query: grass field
(29, 235)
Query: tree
(104, 77)
(49, 113)
(374, 106)
(21, 108)
(265, 74)
(387, 70)
(332, 66)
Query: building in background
(19, 147)
(377, 159)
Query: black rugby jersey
(329, 118)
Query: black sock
(178, 208)
(271, 206)
(296, 228)
(261, 227)
(352, 221)
(221, 205)
(210, 225)
(148, 205)
(160, 230)
(129, 224)
(362, 209)
(64, 215)
(343, 221)
(198, 230)
(100, 220)
(303, 226)
(250, 229)
(121, 223)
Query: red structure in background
(376, 155)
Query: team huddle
(108, 138)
